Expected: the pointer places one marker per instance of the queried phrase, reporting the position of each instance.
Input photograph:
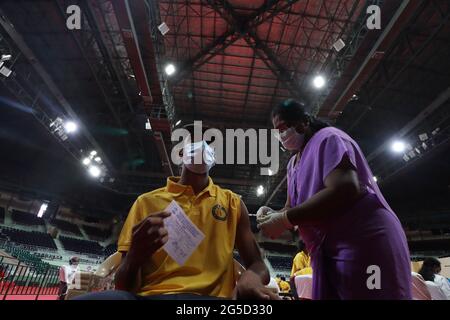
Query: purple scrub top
(366, 234)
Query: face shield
(198, 157)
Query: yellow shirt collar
(177, 189)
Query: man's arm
(294, 266)
(252, 281)
(147, 237)
(248, 248)
(128, 275)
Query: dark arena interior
(94, 95)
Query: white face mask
(198, 157)
(291, 139)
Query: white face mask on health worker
(198, 157)
(291, 139)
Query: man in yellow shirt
(300, 266)
(284, 285)
(147, 271)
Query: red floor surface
(29, 297)
(27, 293)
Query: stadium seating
(96, 233)
(110, 249)
(279, 247)
(66, 226)
(47, 256)
(280, 262)
(26, 218)
(91, 220)
(31, 238)
(25, 257)
(3, 236)
(81, 246)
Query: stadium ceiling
(235, 60)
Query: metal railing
(22, 279)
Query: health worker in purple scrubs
(357, 244)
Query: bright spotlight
(319, 82)
(270, 172)
(94, 171)
(148, 126)
(5, 71)
(70, 126)
(86, 161)
(178, 122)
(375, 179)
(5, 57)
(42, 210)
(170, 69)
(260, 191)
(98, 159)
(93, 153)
(423, 137)
(163, 28)
(398, 146)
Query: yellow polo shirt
(284, 286)
(301, 264)
(209, 270)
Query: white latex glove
(275, 224)
(263, 214)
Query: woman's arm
(287, 205)
(341, 191)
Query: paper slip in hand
(184, 236)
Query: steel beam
(401, 18)
(34, 62)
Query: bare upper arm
(343, 177)
(245, 240)
(287, 205)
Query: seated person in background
(430, 270)
(146, 270)
(302, 262)
(300, 266)
(66, 276)
(284, 285)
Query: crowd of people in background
(429, 271)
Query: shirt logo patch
(219, 212)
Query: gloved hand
(263, 214)
(275, 224)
